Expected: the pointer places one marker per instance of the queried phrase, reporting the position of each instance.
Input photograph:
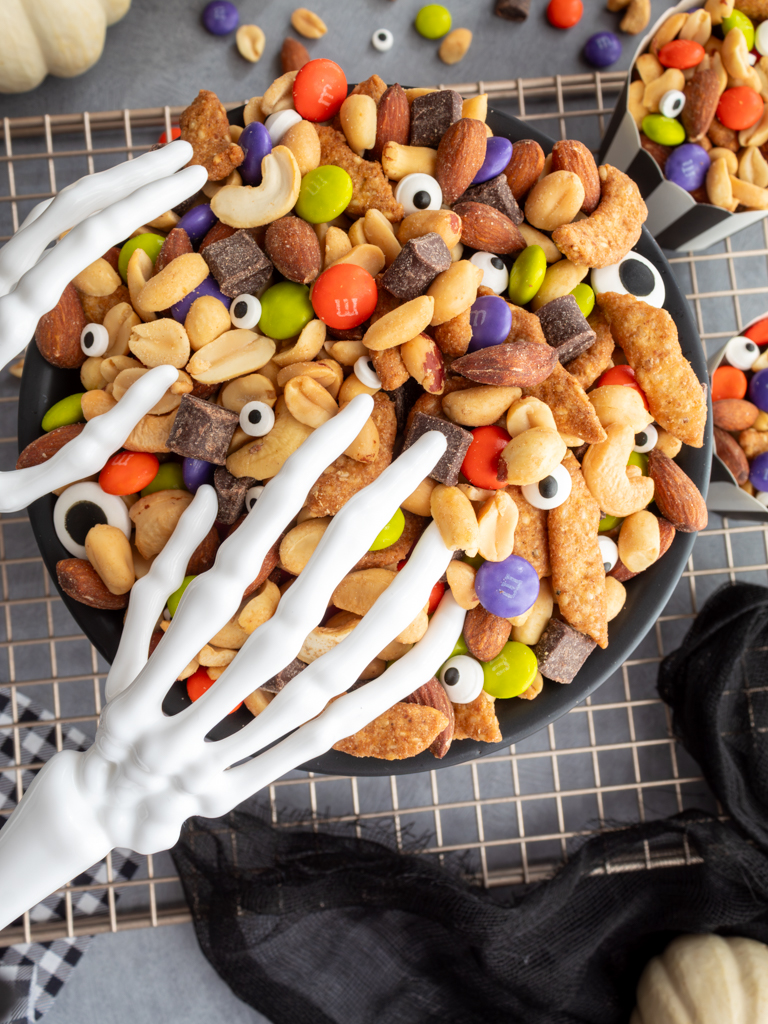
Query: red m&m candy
(481, 463)
(319, 90)
(740, 108)
(128, 472)
(564, 13)
(344, 296)
(198, 683)
(622, 376)
(681, 53)
(175, 133)
(758, 332)
(435, 597)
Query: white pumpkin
(57, 37)
(705, 979)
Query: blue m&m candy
(602, 49)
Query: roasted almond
(433, 695)
(731, 453)
(58, 332)
(676, 495)
(524, 168)
(485, 633)
(702, 94)
(460, 156)
(570, 155)
(45, 447)
(293, 55)
(485, 228)
(666, 535)
(734, 413)
(294, 249)
(517, 364)
(80, 581)
(393, 120)
(176, 243)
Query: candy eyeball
(634, 275)
(495, 273)
(462, 678)
(646, 439)
(741, 352)
(245, 311)
(365, 372)
(256, 419)
(278, 124)
(382, 40)
(85, 505)
(671, 103)
(252, 495)
(550, 492)
(762, 497)
(608, 552)
(94, 339)
(419, 192)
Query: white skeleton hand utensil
(97, 211)
(147, 772)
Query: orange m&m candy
(175, 133)
(681, 53)
(728, 382)
(198, 683)
(435, 597)
(128, 472)
(564, 13)
(481, 463)
(758, 332)
(319, 90)
(740, 108)
(623, 376)
(344, 296)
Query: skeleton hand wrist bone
(147, 772)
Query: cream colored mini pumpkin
(705, 979)
(56, 37)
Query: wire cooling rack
(511, 817)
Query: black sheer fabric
(314, 928)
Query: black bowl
(42, 385)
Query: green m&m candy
(391, 532)
(737, 19)
(433, 21)
(169, 477)
(511, 672)
(173, 600)
(68, 410)
(460, 648)
(664, 130)
(285, 310)
(324, 194)
(639, 460)
(609, 523)
(585, 298)
(149, 242)
(527, 275)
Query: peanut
(753, 167)
(534, 237)
(207, 319)
(480, 406)
(90, 373)
(309, 402)
(155, 518)
(98, 279)
(365, 447)
(347, 352)
(697, 27)
(175, 281)
(455, 46)
(298, 545)
(379, 231)
(648, 67)
(530, 631)
(118, 321)
(96, 403)
(639, 541)
(497, 520)
(261, 607)
(735, 55)
(319, 371)
(358, 122)
(279, 96)
(337, 243)
(455, 518)
(731, 160)
(555, 200)
(445, 223)
(138, 273)
(307, 345)
(757, 135)
(252, 388)
(671, 79)
(560, 279)
(167, 403)
(453, 291)
(231, 355)
(753, 196)
(111, 366)
(635, 102)
(359, 591)
(160, 342)
(369, 257)
(398, 160)
(109, 552)
(418, 501)
(252, 111)
(308, 24)
(357, 233)
(718, 9)
(667, 32)
(353, 386)
(533, 455)
(461, 580)
(719, 187)
(403, 323)
(250, 42)
(476, 107)
(304, 143)
(424, 362)
(529, 412)
(150, 433)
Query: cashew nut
(605, 473)
(248, 206)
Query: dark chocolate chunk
(403, 399)
(285, 675)
(202, 430)
(562, 651)
(231, 492)
(432, 115)
(565, 327)
(238, 264)
(459, 440)
(417, 265)
(512, 10)
(495, 193)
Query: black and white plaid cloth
(32, 974)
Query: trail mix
(698, 99)
(387, 243)
(741, 422)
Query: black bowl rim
(42, 384)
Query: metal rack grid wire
(509, 818)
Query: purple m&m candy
(196, 472)
(602, 49)
(209, 287)
(491, 321)
(687, 166)
(507, 588)
(255, 143)
(197, 222)
(758, 472)
(220, 17)
(758, 392)
(498, 153)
